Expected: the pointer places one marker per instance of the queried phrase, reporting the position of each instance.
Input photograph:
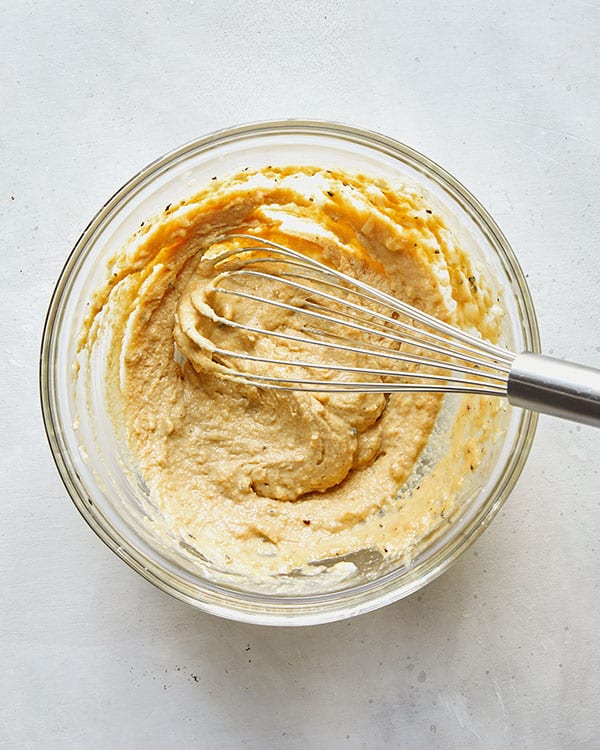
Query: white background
(504, 649)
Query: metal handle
(552, 386)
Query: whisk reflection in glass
(367, 340)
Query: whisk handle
(552, 386)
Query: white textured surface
(503, 650)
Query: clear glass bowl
(89, 459)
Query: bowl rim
(297, 610)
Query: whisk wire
(291, 256)
(351, 347)
(442, 346)
(328, 386)
(346, 315)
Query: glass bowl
(81, 435)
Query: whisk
(402, 348)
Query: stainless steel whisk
(421, 352)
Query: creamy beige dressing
(259, 481)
